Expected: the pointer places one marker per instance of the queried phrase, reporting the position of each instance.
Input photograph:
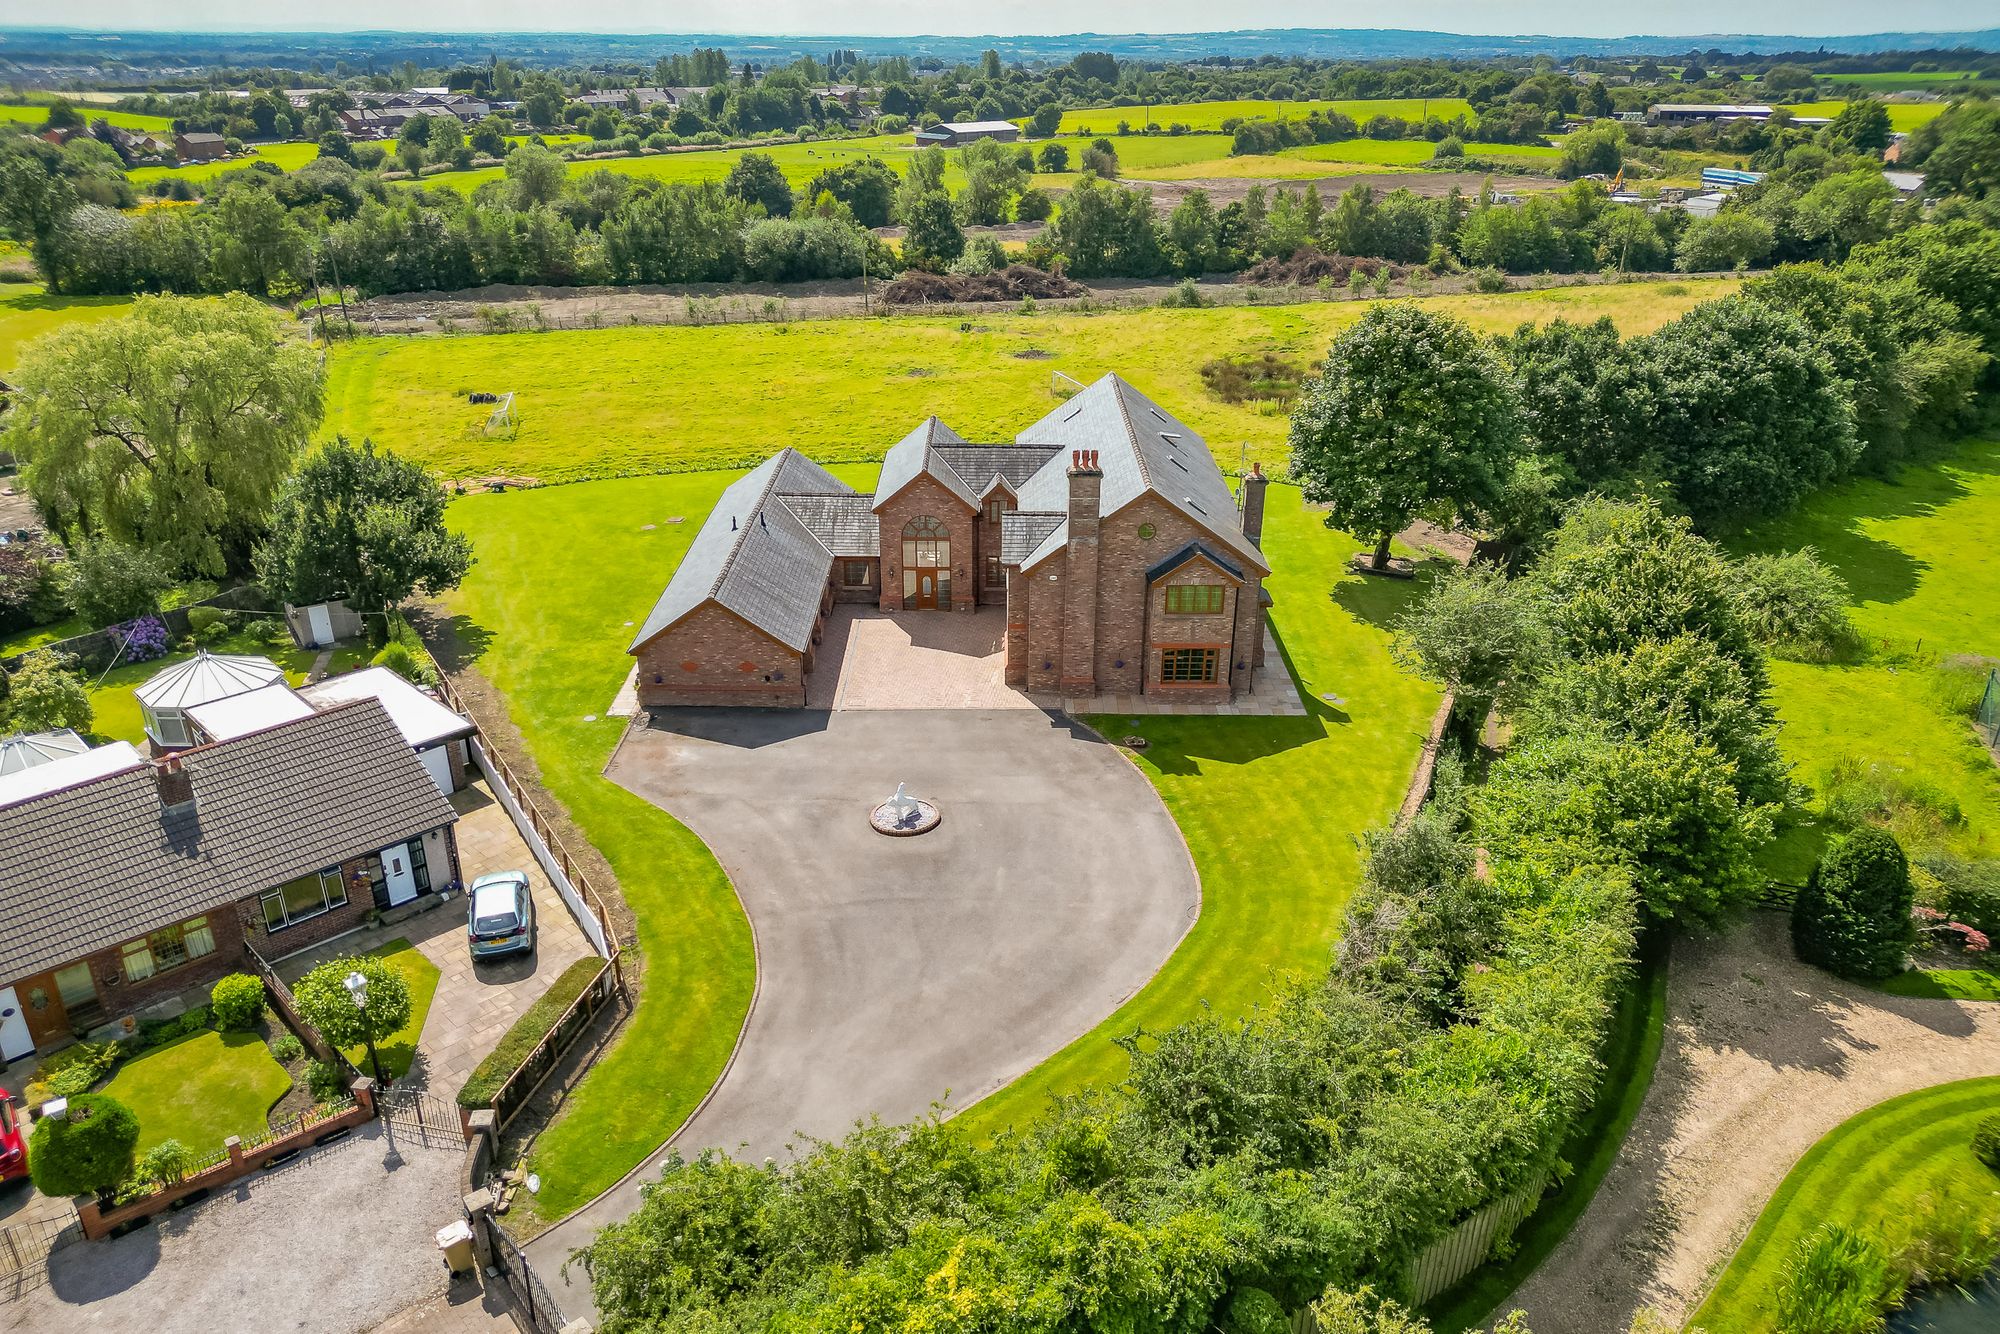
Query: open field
(1939, 81)
(1210, 115)
(1903, 116)
(598, 403)
(124, 120)
(799, 162)
(1916, 557)
(1874, 1173)
(286, 157)
(27, 311)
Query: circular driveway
(894, 970)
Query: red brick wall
(702, 660)
(1165, 630)
(871, 593)
(313, 930)
(988, 544)
(120, 998)
(1082, 610)
(927, 495)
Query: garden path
(1763, 1056)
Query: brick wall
(119, 997)
(1166, 630)
(987, 543)
(313, 930)
(870, 592)
(714, 657)
(927, 495)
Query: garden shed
(202, 679)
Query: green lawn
(201, 1090)
(22, 641)
(1903, 116)
(606, 402)
(114, 701)
(124, 120)
(1210, 115)
(28, 311)
(1965, 984)
(287, 157)
(1917, 557)
(420, 975)
(1871, 1173)
(1270, 807)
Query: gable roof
(1142, 450)
(754, 557)
(1193, 551)
(104, 861)
(845, 525)
(421, 719)
(981, 465)
(1023, 531)
(916, 455)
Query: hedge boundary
(520, 1041)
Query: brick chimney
(1250, 505)
(174, 783)
(1079, 640)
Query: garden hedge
(520, 1040)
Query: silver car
(500, 915)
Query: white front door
(396, 872)
(15, 1040)
(319, 622)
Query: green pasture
(286, 157)
(1210, 115)
(1874, 1173)
(799, 162)
(124, 120)
(598, 403)
(27, 311)
(1930, 81)
(1903, 116)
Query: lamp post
(357, 987)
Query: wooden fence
(1442, 1264)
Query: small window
(1187, 666)
(857, 574)
(996, 574)
(1195, 600)
(138, 961)
(995, 508)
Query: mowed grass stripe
(1211, 115)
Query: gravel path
(327, 1244)
(1763, 1056)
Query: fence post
(363, 1090)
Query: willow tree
(167, 427)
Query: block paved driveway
(873, 659)
(475, 1003)
(893, 970)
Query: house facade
(127, 881)
(1106, 532)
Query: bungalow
(126, 881)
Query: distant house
(126, 882)
(200, 146)
(619, 99)
(1695, 113)
(952, 133)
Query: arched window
(925, 543)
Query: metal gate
(425, 1113)
(542, 1310)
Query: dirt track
(1763, 1056)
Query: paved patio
(475, 1003)
(873, 659)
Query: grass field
(598, 403)
(124, 120)
(114, 702)
(1210, 115)
(799, 162)
(1939, 81)
(1903, 116)
(1916, 555)
(287, 157)
(1873, 1173)
(28, 311)
(201, 1090)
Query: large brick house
(125, 881)
(1105, 530)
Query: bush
(1795, 604)
(326, 1080)
(1855, 792)
(398, 659)
(1965, 891)
(71, 1071)
(201, 620)
(1254, 1311)
(266, 629)
(44, 694)
(533, 1025)
(88, 1151)
(143, 639)
(159, 1032)
(1837, 1282)
(238, 1002)
(1986, 1141)
(1949, 1241)
(286, 1048)
(1034, 204)
(164, 1164)
(1853, 916)
(1451, 146)
(105, 582)
(1186, 294)
(1489, 280)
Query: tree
(757, 179)
(86, 1151)
(1475, 632)
(1568, 402)
(1096, 65)
(1053, 158)
(1732, 239)
(1853, 916)
(534, 175)
(325, 1002)
(867, 187)
(1194, 235)
(1960, 152)
(1739, 408)
(105, 582)
(165, 427)
(361, 525)
(1861, 127)
(1844, 211)
(44, 694)
(1412, 409)
(932, 236)
(1046, 121)
(1598, 152)
(993, 176)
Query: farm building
(200, 146)
(952, 133)
(1693, 113)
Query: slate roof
(104, 861)
(1021, 532)
(845, 525)
(980, 464)
(1187, 553)
(917, 454)
(755, 557)
(1140, 449)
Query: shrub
(326, 1080)
(143, 639)
(1853, 916)
(71, 1071)
(238, 1002)
(1948, 1241)
(1986, 1141)
(203, 619)
(1489, 280)
(1254, 1311)
(1837, 1282)
(106, 582)
(1451, 146)
(521, 1039)
(265, 629)
(398, 659)
(1186, 294)
(1795, 604)
(1855, 792)
(286, 1048)
(44, 694)
(1034, 204)
(164, 1164)
(1966, 891)
(88, 1151)
(159, 1032)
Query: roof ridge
(1131, 432)
(931, 449)
(736, 547)
(785, 500)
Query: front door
(926, 595)
(398, 875)
(319, 624)
(15, 1040)
(42, 1005)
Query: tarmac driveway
(893, 970)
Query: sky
(1607, 18)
